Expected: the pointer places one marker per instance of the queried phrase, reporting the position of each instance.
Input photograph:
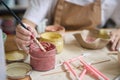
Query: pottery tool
(113, 53)
(86, 68)
(19, 20)
(71, 69)
(90, 68)
(76, 67)
(100, 62)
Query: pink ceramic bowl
(55, 28)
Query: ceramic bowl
(15, 56)
(18, 70)
(25, 78)
(54, 38)
(92, 39)
(55, 28)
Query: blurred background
(8, 23)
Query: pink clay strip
(92, 69)
(82, 74)
(71, 70)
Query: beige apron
(73, 16)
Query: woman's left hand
(115, 39)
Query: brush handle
(38, 43)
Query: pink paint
(55, 28)
(90, 39)
(40, 60)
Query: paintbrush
(19, 20)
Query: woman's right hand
(23, 37)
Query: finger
(22, 42)
(23, 31)
(23, 47)
(26, 49)
(112, 39)
(33, 31)
(23, 37)
(114, 44)
(118, 45)
(30, 29)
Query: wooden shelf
(17, 9)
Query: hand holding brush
(24, 34)
(25, 37)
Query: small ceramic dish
(18, 70)
(55, 28)
(92, 39)
(14, 56)
(25, 78)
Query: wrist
(28, 22)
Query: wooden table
(110, 68)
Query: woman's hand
(23, 37)
(115, 39)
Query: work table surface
(72, 49)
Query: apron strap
(58, 12)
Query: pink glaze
(55, 28)
(40, 60)
(90, 39)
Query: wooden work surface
(110, 68)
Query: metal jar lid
(18, 70)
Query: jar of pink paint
(40, 60)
